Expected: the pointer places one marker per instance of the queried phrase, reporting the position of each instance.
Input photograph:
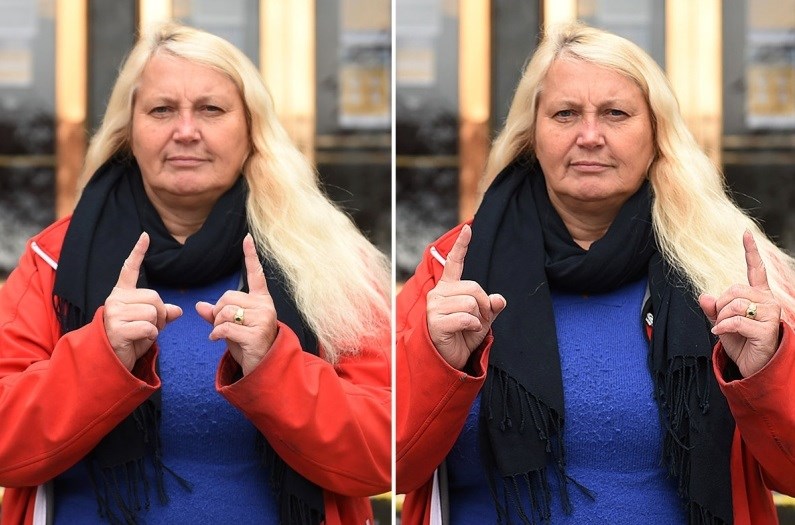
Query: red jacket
(60, 395)
(433, 400)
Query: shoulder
(47, 244)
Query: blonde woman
(202, 258)
(609, 340)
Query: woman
(200, 228)
(596, 396)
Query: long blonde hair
(340, 281)
(697, 225)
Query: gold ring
(750, 312)
(239, 315)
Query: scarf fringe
(297, 512)
(125, 489)
(536, 485)
(292, 509)
(685, 374)
(698, 515)
(515, 398)
(522, 408)
(69, 316)
(122, 491)
(112, 497)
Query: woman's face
(594, 137)
(189, 132)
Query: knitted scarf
(521, 249)
(110, 216)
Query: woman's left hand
(746, 318)
(246, 320)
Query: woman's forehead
(569, 77)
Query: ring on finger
(750, 312)
(240, 315)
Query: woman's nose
(187, 129)
(590, 133)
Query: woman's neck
(181, 221)
(181, 226)
(586, 224)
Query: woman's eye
(212, 109)
(616, 113)
(564, 114)
(159, 110)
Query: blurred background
(731, 63)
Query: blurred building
(328, 65)
(732, 65)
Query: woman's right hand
(134, 316)
(459, 312)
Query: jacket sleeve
(58, 395)
(763, 407)
(433, 399)
(332, 424)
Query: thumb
(498, 304)
(172, 312)
(205, 310)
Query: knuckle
(149, 295)
(470, 304)
(476, 291)
(228, 297)
(433, 296)
(230, 310)
(149, 313)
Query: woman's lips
(589, 166)
(185, 161)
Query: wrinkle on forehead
(161, 83)
(600, 87)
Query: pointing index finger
(454, 266)
(254, 272)
(131, 269)
(757, 275)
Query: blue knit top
(612, 434)
(205, 440)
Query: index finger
(454, 266)
(131, 269)
(757, 275)
(254, 272)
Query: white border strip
(40, 506)
(438, 256)
(436, 501)
(49, 260)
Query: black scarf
(109, 218)
(521, 249)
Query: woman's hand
(134, 316)
(459, 312)
(747, 318)
(246, 320)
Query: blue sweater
(613, 436)
(205, 440)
